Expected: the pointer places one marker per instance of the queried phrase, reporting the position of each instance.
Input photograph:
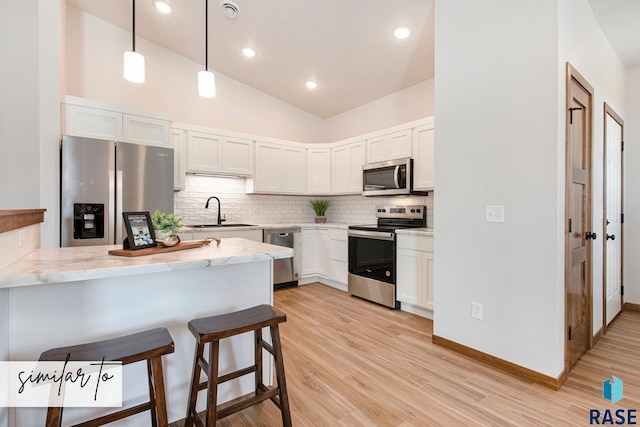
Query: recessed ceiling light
(402, 33)
(162, 6)
(311, 84)
(248, 52)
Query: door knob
(590, 236)
(611, 236)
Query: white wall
(631, 185)
(496, 90)
(95, 51)
(584, 46)
(19, 136)
(413, 103)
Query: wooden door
(612, 233)
(578, 233)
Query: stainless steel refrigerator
(101, 179)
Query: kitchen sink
(219, 225)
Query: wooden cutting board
(160, 250)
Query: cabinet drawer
(419, 243)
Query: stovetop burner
(392, 218)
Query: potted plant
(320, 208)
(166, 226)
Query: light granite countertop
(416, 231)
(58, 265)
(188, 228)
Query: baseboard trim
(631, 306)
(503, 365)
(597, 337)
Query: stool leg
(193, 388)
(212, 384)
(54, 417)
(152, 395)
(258, 360)
(160, 401)
(282, 385)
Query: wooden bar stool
(211, 330)
(149, 345)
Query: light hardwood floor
(349, 362)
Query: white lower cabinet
(324, 256)
(415, 270)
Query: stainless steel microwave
(391, 178)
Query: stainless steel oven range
(372, 252)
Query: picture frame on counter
(140, 232)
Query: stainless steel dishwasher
(284, 274)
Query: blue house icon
(612, 389)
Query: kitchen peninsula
(63, 296)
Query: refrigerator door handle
(112, 207)
(118, 218)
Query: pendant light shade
(206, 79)
(134, 67)
(133, 61)
(206, 84)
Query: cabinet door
(319, 171)
(388, 147)
(409, 275)
(178, 143)
(308, 261)
(423, 158)
(356, 161)
(338, 255)
(340, 170)
(426, 285)
(267, 173)
(145, 130)
(293, 169)
(322, 253)
(203, 152)
(237, 156)
(92, 123)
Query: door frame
(609, 111)
(573, 74)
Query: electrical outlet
(495, 214)
(22, 236)
(476, 310)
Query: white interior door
(613, 219)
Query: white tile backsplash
(239, 207)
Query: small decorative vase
(171, 240)
(321, 219)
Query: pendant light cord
(134, 25)
(206, 35)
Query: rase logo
(612, 390)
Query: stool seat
(210, 330)
(127, 349)
(148, 345)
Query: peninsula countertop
(56, 265)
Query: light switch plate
(495, 213)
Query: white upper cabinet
(204, 152)
(319, 171)
(216, 153)
(346, 168)
(95, 119)
(423, 157)
(391, 146)
(179, 145)
(279, 169)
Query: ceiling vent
(230, 8)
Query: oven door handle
(378, 235)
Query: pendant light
(133, 61)
(206, 79)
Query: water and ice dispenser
(88, 221)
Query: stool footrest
(109, 418)
(267, 347)
(246, 403)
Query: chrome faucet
(206, 206)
